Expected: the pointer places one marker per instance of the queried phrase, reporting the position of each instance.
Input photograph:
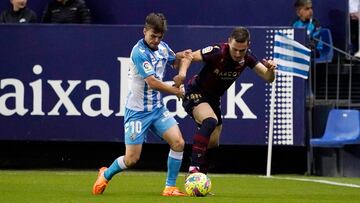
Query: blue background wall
(89, 53)
(331, 13)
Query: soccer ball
(197, 184)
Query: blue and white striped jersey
(145, 62)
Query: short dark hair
(240, 34)
(157, 22)
(301, 3)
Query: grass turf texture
(75, 186)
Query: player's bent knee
(178, 145)
(209, 125)
(131, 160)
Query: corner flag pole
(293, 59)
(271, 126)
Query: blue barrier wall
(68, 82)
(331, 13)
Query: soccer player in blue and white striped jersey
(145, 110)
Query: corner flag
(291, 57)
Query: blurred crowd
(57, 11)
(76, 11)
(354, 13)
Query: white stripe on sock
(121, 162)
(176, 155)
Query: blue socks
(117, 166)
(173, 164)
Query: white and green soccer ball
(197, 184)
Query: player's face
(152, 39)
(18, 4)
(306, 12)
(238, 49)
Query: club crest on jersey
(242, 62)
(165, 52)
(207, 49)
(147, 67)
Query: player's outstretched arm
(161, 86)
(186, 54)
(266, 70)
(185, 63)
(184, 59)
(196, 56)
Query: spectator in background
(18, 13)
(354, 11)
(67, 11)
(305, 19)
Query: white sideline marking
(316, 181)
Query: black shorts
(194, 98)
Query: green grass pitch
(145, 187)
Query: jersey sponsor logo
(194, 96)
(226, 75)
(207, 49)
(229, 74)
(147, 67)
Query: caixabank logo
(27, 99)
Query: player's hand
(269, 64)
(178, 80)
(186, 54)
(180, 93)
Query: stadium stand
(342, 128)
(327, 53)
